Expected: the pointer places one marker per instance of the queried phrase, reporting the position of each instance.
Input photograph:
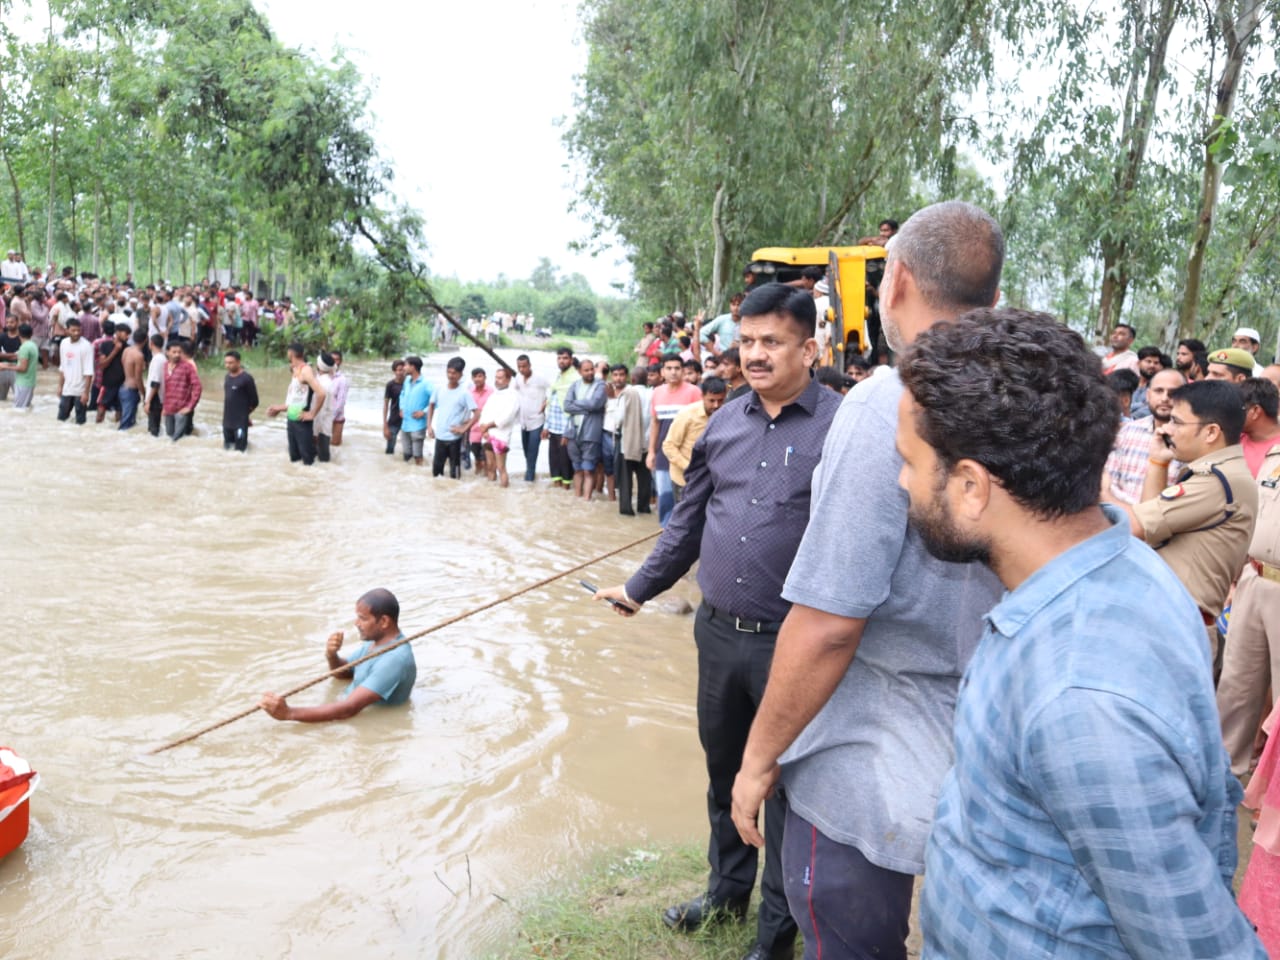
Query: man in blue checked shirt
(1091, 811)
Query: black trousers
(67, 404)
(391, 442)
(237, 437)
(558, 456)
(323, 441)
(302, 441)
(629, 473)
(450, 450)
(733, 667)
(155, 415)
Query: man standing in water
(75, 373)
(239, 400)
(135, 368)
(391, 417)
(500, 415)
(584, 403)
(25, 369)
(745, 501)
(182, 390)
(387, 679)
(455, 414)
(301, 401)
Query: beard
(943, 539)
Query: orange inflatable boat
(17, 782)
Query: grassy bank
(614, 909)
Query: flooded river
(153, 588)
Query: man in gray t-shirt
(856, 718)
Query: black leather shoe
(687, 917)
(761, 952)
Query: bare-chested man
(135, 367)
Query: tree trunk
(132, 225)
(75, 236)
(719, 264)
(1238, 33)
(1139, 117)
(97, 221)
(53, 193)
(111, 237)
(17, 202)
(13, 180)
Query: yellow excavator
(853, 276)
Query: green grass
(614, 909)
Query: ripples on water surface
(152, 588)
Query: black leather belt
(741, 624)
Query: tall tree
(1233, 30)
(705, 130)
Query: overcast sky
(468, 99)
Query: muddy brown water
(152, 588)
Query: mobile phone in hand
(616, 603)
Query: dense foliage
(1135, 146)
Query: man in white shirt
(532, 391)
(13, 269)
(75, 372)
(154, 402)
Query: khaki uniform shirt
(1201, 525)
(1265, 545)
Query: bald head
(955, 252)
(1272, 373)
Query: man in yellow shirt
(687, 427)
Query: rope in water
(399, 643)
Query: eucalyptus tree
(705, 130)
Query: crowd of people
(1061, 752)
(1004, 614)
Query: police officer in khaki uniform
(1229, 364)
(1252, 656)
(1202, 523)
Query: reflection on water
(152, 588)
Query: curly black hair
(1022, 395)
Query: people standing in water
(391, 417)
(239, 400)
(301, 402)
(28, 361)
(387, 679)
(415, 397)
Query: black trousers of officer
(733, 667)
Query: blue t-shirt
(453, 405)
(414, 395)
(391, 676)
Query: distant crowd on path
(118, 347)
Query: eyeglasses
(1186, 423)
